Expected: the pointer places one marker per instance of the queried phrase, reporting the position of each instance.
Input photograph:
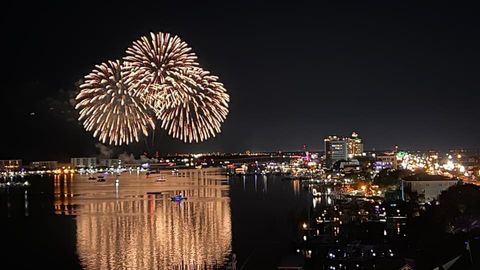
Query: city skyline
(240, 135)
(395, 75)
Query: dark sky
(396, 72)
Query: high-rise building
(355, 146)
(336, 149)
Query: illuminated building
(342, 148)
(429, 187)
(84, 162)
(335, 149)
(44, 165)
(10, 164)
(111, 162)
(355, 145)
(351, 165)
(386, 162)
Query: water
(70, 222)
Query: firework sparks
(108, 107)
(194, 108)
(157, 59)
(159, 75)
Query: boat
(154, 192)
(12, 184)
(161, 179)
(178, 198)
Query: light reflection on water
(122, 226)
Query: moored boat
(178, 198)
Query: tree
(388, 177)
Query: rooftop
(428, 177)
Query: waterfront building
(110, 162)
(84, 162)
(336, 149)
(428, 187)
(44, 165)
(64, 165)
(10, 164)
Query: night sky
(396, 72)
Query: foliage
(388, 177)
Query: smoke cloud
(126, 158)
(105, 151)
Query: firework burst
(157, 60)
(109, 108)
(194, 108)
(159, 76)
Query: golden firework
(194, 108)
(159, 76)
(109, 108)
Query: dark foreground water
(70, 222)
